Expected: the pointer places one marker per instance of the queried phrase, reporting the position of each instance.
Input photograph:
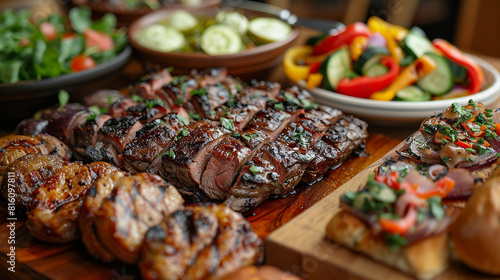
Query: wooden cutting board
(301, 247)
(39, 260)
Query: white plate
(400, 113)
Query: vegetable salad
(381, 61)
(56, 45)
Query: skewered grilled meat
(96, 195)
(198, 243)
(15, 146)
(52, 217)
(31, 171)
(137, 203)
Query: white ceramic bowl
(400, 113)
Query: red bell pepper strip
(402, 225)
(364, 86)
(463, 144)
(474, 72)
(442, 188)
(315, 67)
(333, 42)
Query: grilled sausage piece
(15, 146)
(198, 243)
(96, 194)
(53, 214)
(137, 203)
(30, 172)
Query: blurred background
(473, 25)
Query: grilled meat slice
(137, 203)
(85, 135)
(31, 127)
(96, 194)
(232, 153)
(199, 243)
(336, 146)
(151, 83)
(119, 131)
(102, 152)
(52, 217)
(13, 147)
(205, 100)
(149, 142)
(187, 157)
(148, 111)
(119, 107)
(31, 171)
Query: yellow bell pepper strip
(345, 37)
(364, 86)
(397, 32)
(292, 69)
(474, 72)
(376, 24)
(314, 80)
(357, 46)
(412, 73)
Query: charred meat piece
(52, 217)
(85, 135)
(31, 171)
(119, 131)
(31, 127)
(15, 146)
(336, 146)
(102, 152)
(96, 195)
(206, 99)
(232, 153)
(61, 122)
(148, 111)
(199, 243)
(136, 204)
(149, 142)
(148, 85)
(183, 163)
(119, 107)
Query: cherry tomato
(48, 30)
(101, 40)
(82, 62)
(24, 42)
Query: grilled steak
(151, 83)
(119, 131)
(52, 217)
(149, 142)
(96, 194)
(336, 146)
(15, 146)
(198, 243)
(136, 203)
(31, 171)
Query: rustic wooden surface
(39, 260)
(301, 247)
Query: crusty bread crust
(424, 259)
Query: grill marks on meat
(96, 195)
(31, 171)
(187, 157)
(118, 132)
(336, 146)
(134, 205)
(56, 204)
(198, 243)
(15, 146)
(149, 143)
(151, 83)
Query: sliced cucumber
(412, 93)
(220, 39)
(440, 80)
(417, 45)
(182, 20)
(233, 19)
(418, 31)
(267, 30)
(458, 71)
(335, 68)
(369, 57)
(161, 38)
(376, 70)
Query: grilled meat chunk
(149, 142)
(135, 204)
(336, 146)
(31, 171)
(96, 195)
(119, 131)
(52, 217)
(13, 147)
(151, 83)
(31, 127)
(187, 157)
(198, 243)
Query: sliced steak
(336, 146)
(149, 142)
(199, 243)
(119, 131)
(96, 195)
(149, 84)
(136, 204)
(30, 172)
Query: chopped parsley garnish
(308, 104)
(199, 92)
(180, 133)
(395, 241)
(227, 123)
(179, 101)
(435, 207)
(445, 159)
(255, 169)
(63, 98)
(135, 98)
(195, 116)
(111, 99)
(182, 119)
(279, 106)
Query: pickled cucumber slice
(220, 39)
(161, 38)
(267, 30)
(182, 20)
(234, 20)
